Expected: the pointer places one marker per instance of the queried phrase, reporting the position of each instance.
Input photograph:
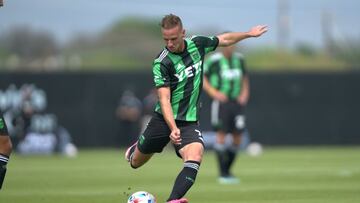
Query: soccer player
(5, 149)
(227, 82)
(178, 76)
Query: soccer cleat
(182, 200)
(130, 151)
(228, 180)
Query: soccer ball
(254, 149)
(141, 197)
(70, 150)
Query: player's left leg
(192, 156)
(221, 153)
(191, 151)
(5, 149)
(232, 150)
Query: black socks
(231, 155)
(3, 161)
(226, 157)
(222, 158)
(184, 180)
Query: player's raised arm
(230, 38)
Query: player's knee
(197, 158)
(194, 157)
(220, 138)
(236, 142)
(6, 146)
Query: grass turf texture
(280, 175)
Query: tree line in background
(132, 44)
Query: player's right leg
(232, 150)
(5, 149)
(135, 157)
(153, 140)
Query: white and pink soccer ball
(141, 197)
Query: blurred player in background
(178, 77)
(5, 149)
(227, 83)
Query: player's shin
(220, 150)
(231, 152)
(3, 162)
(184, 180)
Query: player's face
(174, 39)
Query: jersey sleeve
(161, 75)
(208, 43)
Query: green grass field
(280, 175)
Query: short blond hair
(170, 21)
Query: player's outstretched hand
(258, 30)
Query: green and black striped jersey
(226, 74)
(183, 73)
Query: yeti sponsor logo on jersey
(230, 74)
(188, 72)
